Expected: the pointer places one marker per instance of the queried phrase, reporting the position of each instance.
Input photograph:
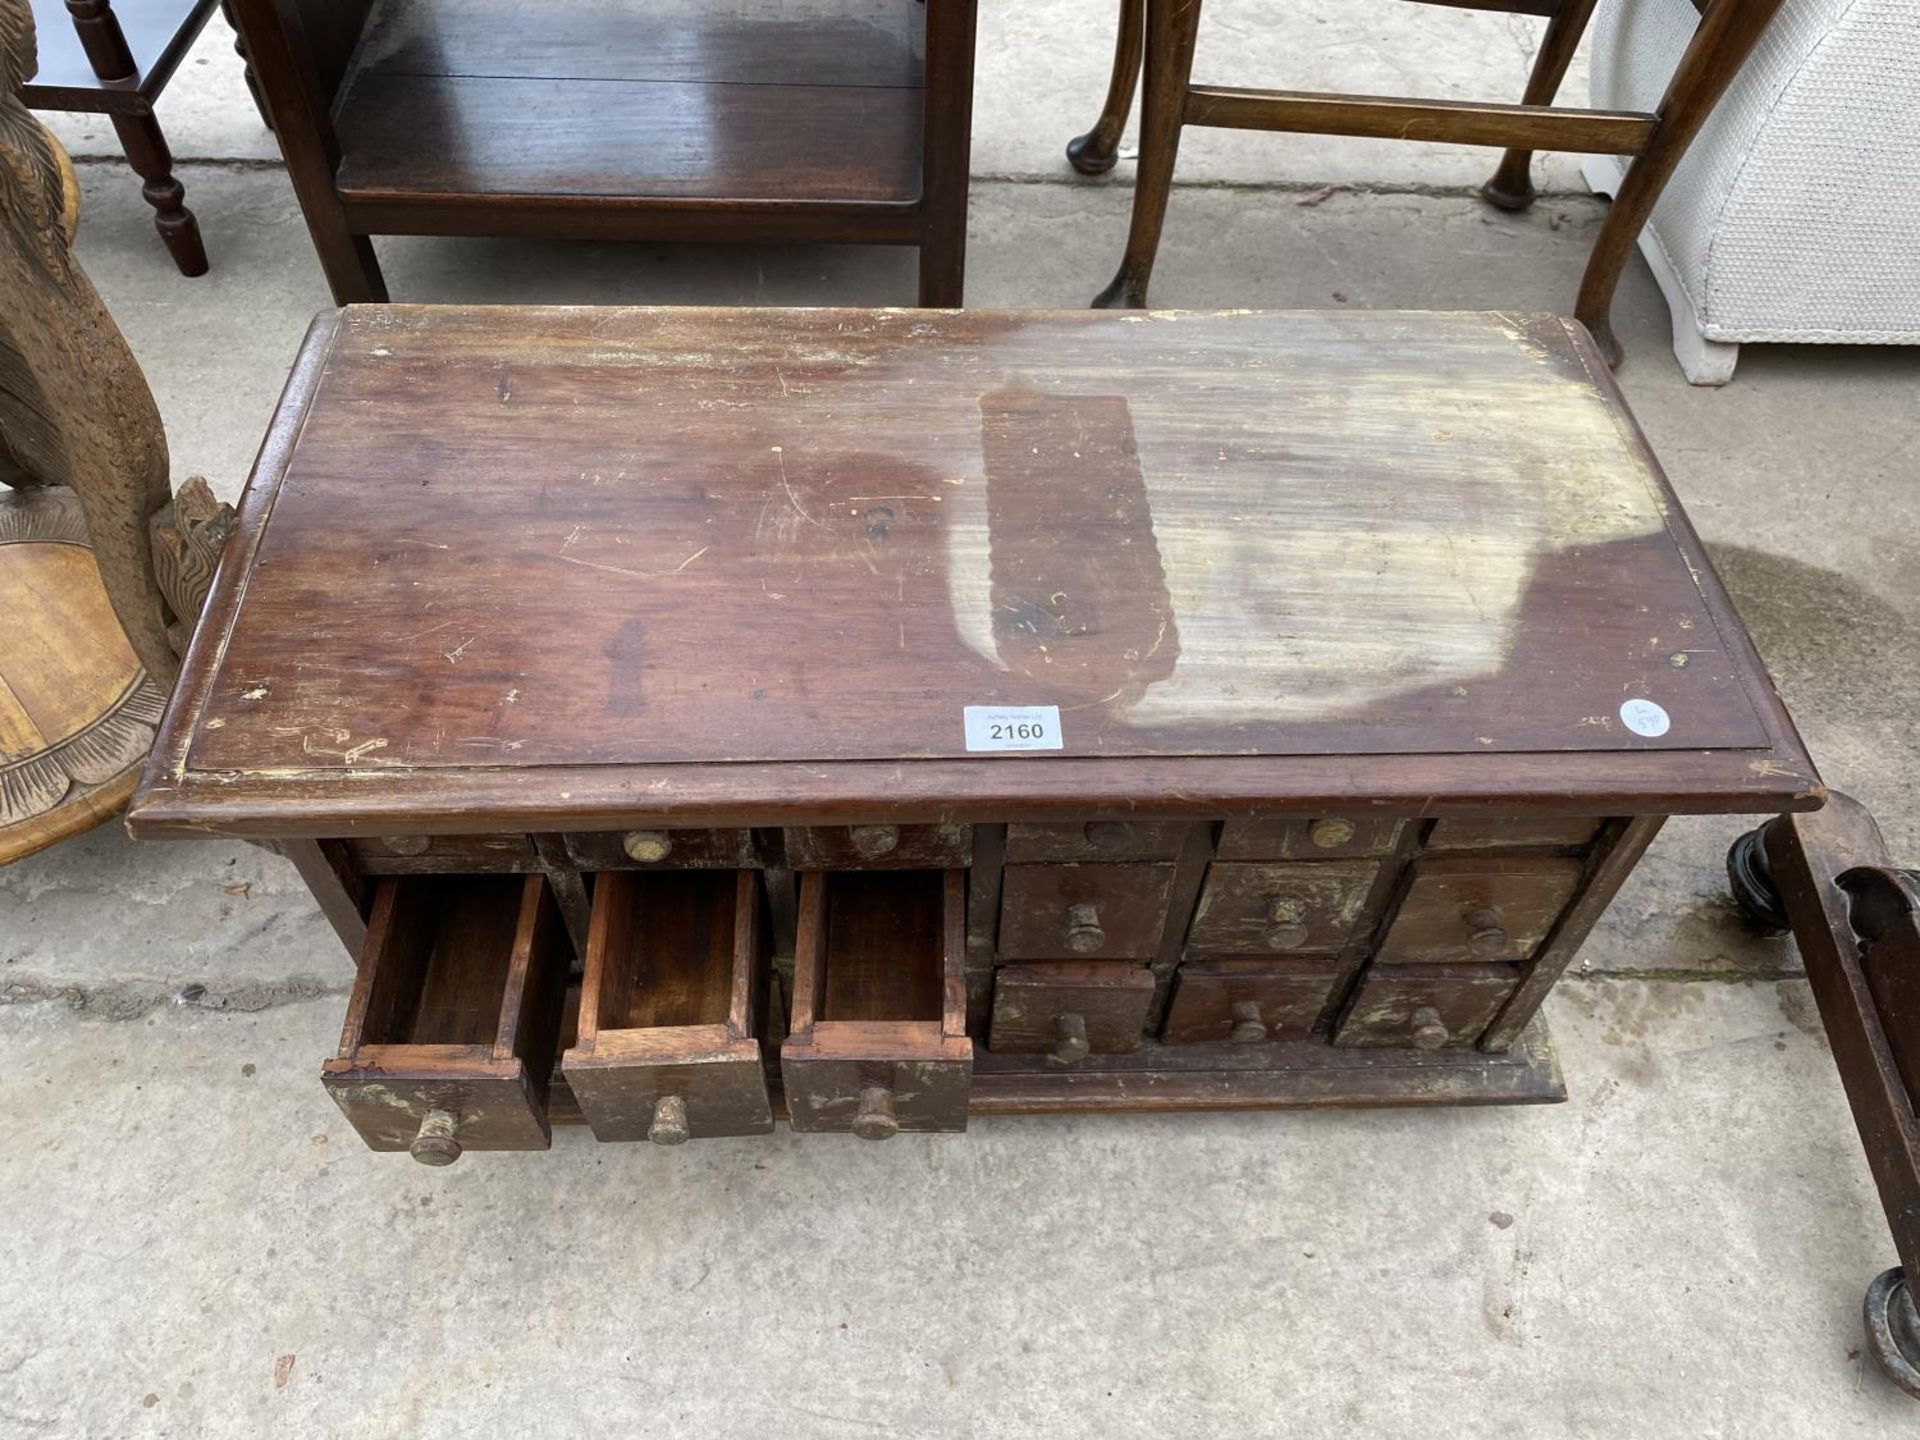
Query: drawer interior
(443, 965)
(668, 947)
(666, 1048)
(878, 1042)
(883, 946)
(454, 1021)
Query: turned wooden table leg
(111, 60)
(1171, 28)
(1728, 32)
(1511, 187)
(152, 161)
(1096, 152)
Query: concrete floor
(196, 1245)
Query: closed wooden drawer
(1083, 912)
(674, 977)
(1247, 908)
(1069, 1010)
(1501, 832)
(440, 854)
(651, 849)
(878, 1040)
(888, 847)
(1428, 1007)
(454, 1020)
(1330, 837)
(1098, 840)
(1472, 908)
(1248, 1001)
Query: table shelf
(828, 121)
(703, 110)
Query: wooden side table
(113, 58)
(903, 715)
(850, 124)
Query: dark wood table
(817, 121)
(897, 715)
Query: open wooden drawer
(666, 1049)
(879, 1041)
(455, 1016)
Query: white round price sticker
(1643, 717)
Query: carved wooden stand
(100, 564)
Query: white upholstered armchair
(1795, 217)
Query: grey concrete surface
(195, 1244)
(199, 1247)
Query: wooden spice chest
(692, 717)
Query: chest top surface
(637, 559)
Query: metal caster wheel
(1751, 882)
(1893, 1329)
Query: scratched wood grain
(628, 537)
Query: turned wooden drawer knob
(1107, 834)
(875, 1119)
(1287, 929)
(1429, 1031)
(873, 841)
(649, 847)
(1330, 834)
(1488, 937)
(435, 1144)
(1071, 1044)
(408, 844)
(669, 1125)
(1084, 935)
(1248, 1027)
